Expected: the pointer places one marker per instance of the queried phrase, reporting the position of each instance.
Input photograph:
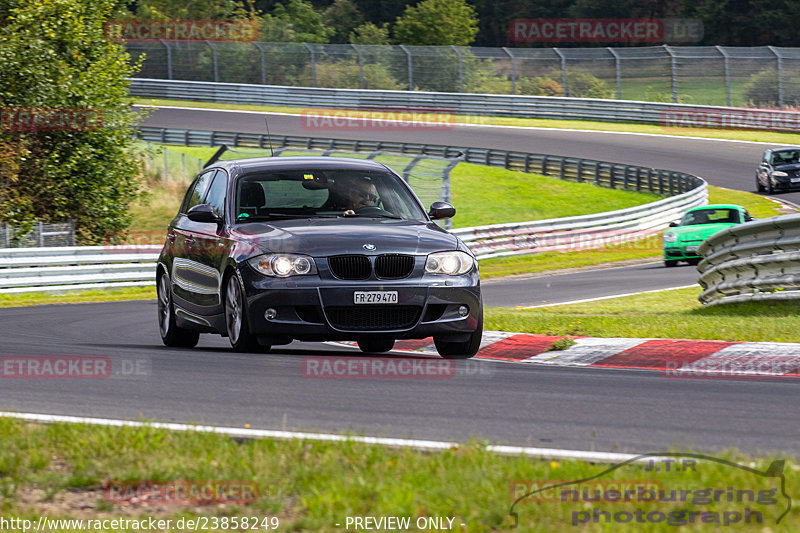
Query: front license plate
(375, 297)
(691, 249)
(795, 180)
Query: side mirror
(673, 224)
(441, 210)
(203, 213)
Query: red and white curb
(675, 358)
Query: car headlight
(779, 174)
(452, 263)
(284, 265)
(670, 237)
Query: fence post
(360, 66)
(780, 74)
(169, 58)
(40, 230)
(263, 63)
(563, 70)
(619, 71)
(460, 69)
(726, 62)
(313, 64)
(410, 65)
(216, 63)
(513, 70)
(673, 61)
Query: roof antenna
(269, 137)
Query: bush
(762, 89)
(539, 86)
(584, 85)
(345, 75)
(55, 57)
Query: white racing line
(246, 433)
(454, 124)
(605, 297)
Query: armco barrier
(545, 107)
(758, 260)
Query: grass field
(72, 471)
(672, 314)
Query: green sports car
(682, 239)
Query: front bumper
(681, 252)
(307, 308)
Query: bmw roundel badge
(369, 247)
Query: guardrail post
(618, 68)
(660, 182)
(460, 69)
(674, 63)
(726, 63)
(313, 64)
(216, 63)
(563, 70)
(263, 63)
(544, 165)
(638, 179)
(597, 173)
(513, 70)
(410, 68)
(561, 167)
(580, 170)
(527, 162)
(626, 169)
(169, 58)
(360, 66)
(780, 74)
(611, 175)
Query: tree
(369, 33)
(437, 22)
(344, 17)
(55, 61)
(301, 19)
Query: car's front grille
(393, 266)
(373, 318)
(350, 266)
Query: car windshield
(785, 157)
(324, 193)
(711, 216)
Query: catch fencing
(758, 260)
(764, 76)
(41, 234)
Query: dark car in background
(779, 170)
(268, 250)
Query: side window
(197, 191)
(216, 193)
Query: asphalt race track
(520, 404)
(532, 405)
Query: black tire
(759, 187)
(171, 334)
(461, 350)
(770, 190)
(694, 261)
(236, 322)
(670, 263)
(376, 345)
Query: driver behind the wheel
(359, 194)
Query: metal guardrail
(544, 107)
(758, 260)
(77, 267)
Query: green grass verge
(67, 297)
(60, 470)
(641, 250)
(739, 135)
(672, 314)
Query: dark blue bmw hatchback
(268, 250)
